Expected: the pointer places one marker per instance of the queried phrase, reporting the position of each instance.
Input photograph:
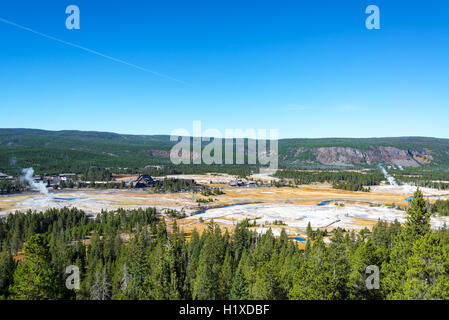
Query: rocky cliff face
(348, 156)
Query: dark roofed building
(144, 180)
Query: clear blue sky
(307, 68)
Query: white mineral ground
(298, 216)
(95, 201)
(296, 207)
(409, 190)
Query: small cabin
(67, 177)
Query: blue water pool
(409, 199)
(323, 203)
(66, 199)
(300, 239)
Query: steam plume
(390, 179)
(27, 176)
(12, 162)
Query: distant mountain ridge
(108, 149)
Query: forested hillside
(75, 151)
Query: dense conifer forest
(346, 180)
(423, 178)
(53, 152)
(135, 254)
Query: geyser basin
(58, 199)
(298, 216)
(52, 201)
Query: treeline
(91, 184)
(96, 174)
(238, 170)
(7, 186)
(346, 180)
(55, 161)
(159, 186)
(424, 174)
(418, 182)
(351, 186)
(420, 178)
(174, 185)
(131, 255)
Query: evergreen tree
(310, 234)
(34, 278)
(239, 289)
(365, 255)
(7, 266)
(394, 269)
(225, 278)
(241, 239)
(418, 219)
(313, 280)
(427, 274)
(267, 283)
(209, 266)
(137, 266)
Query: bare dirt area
(309, 194)
(125, 177)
